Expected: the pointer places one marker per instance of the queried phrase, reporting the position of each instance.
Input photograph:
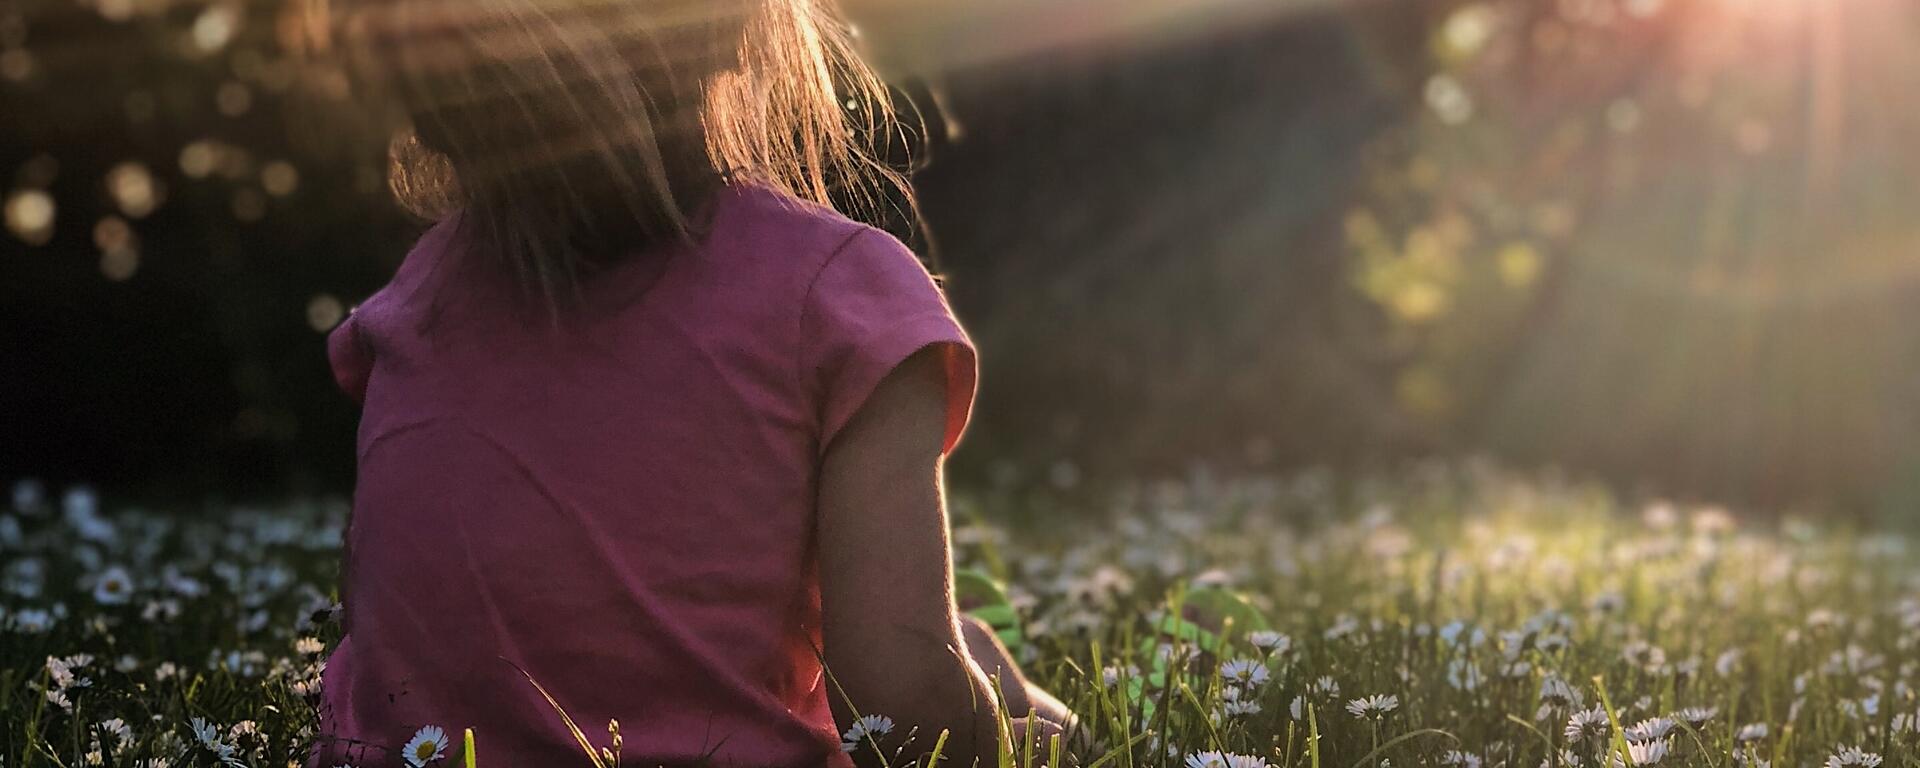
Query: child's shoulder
(765, 215)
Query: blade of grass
(578, 735)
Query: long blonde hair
(570, 133)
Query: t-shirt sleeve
(350, 358)
(871, 307)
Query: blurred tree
(1665, 242)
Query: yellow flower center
(425, 750)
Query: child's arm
(891, 634)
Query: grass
(1456, 617)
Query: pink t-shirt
(624, 508)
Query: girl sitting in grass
(648, 426)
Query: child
(646, 422)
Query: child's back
(623, 507)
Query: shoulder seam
(806, 300)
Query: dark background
(1169, 252)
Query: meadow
(1445, 616)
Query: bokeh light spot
(280, 178)
(133, 189)
(1519, 265)
(215, 27)
(17, 64)
(120, 266)
(325, 311)
(1469, 29)
(1449, 99)
(115, 10)
(197, 160)
(30, 216)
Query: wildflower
(1327, 687)
(427, 745)
(166, 609)
(1245, 672)
(33, 621)
(1298, 708)
(1645, 753)
(1343, 625)
(308, 646)
(1747, 759)
(1728, 663)
(1645, 655)
(1224, 760)
(1271, 642)
(1233, 705)
(1696, 717)
(1651, 729)
(1464, 675)
(1586, 724)
(1750, 732)
(61, 671)
(1373, 707)
(121, 732)
(1868, 707)
(1557, 693)
(1853, 757)
(867, 728)
(208, 735)
(1459, 758)
(114, 586)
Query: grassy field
(1445, 617)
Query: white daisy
(1651, 729)
(427, 745)
(1458, 758)
(1751, 732)
(1234, 706)
(113, 586)
(867, 727)
(1696, 716)
(208, 735)
(1586, 724)
(1853, 757)
(1373, 707)
(1727, 663)
(1645, 753)
(121, 732)
(1270, 642)
(1555, 692)
(1224, 760)
(1247, 672)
